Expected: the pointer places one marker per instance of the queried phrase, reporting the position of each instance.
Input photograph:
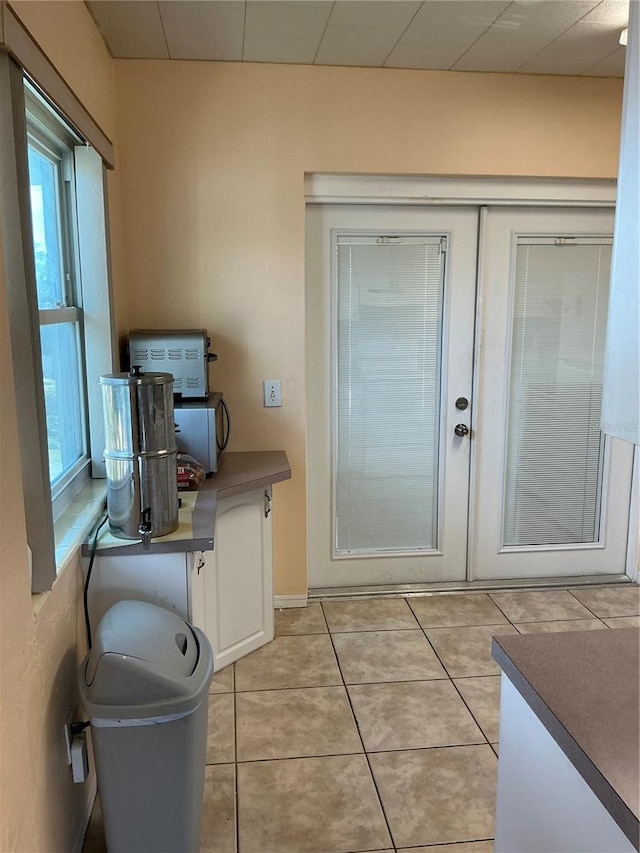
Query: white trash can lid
(141, 654)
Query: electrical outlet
(272, 392)
(67, 735)
(79, 758)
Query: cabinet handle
(267, 504)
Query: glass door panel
(387, 397)
(554, 445)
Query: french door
(552, 494)
(455, 359)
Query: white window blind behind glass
(389, 318)
(554, 444)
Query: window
(59, 299)
(54, 235)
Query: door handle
(461, 430)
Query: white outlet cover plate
(272, 392)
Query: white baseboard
(92, 790)
(280, 601)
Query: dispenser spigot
(145, 529)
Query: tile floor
(372, 725)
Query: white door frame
(482, 191)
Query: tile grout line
(364, 749)
(364, 752)
(588, 608)
(566, 619)
(450, 677)
(495, 604)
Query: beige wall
(42, 637)
(213, 160)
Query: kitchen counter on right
(569, 742)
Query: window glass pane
(554, 445)
(45, 216)
(65, 427)
(389, 330)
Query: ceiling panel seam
(504, 11)
(402, 35)
(564, 32)
(164, 32)
(326, 24)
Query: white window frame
(100, 349)
(55, 140)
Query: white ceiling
(524, 36)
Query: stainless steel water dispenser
(140, 454)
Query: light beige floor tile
(482, 695)
(540, 605)
(496, 747)
(221, 747)
(412, 715)
(309, 805)
(391, 614)
(468, 847)
(223, 681)
(372, 656)
(445, 611)
(295, 723)
(623, 622)
(218, 825)
(611, 601)
(303, 661)
(555, 627)
(467, 651)
(436, 796)
(300, 620)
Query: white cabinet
(543, 802)
(232, 586)
(228, 592)
(161, 579)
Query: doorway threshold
(411, 590)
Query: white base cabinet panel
(232, 586)
(161, 579)
(544, 805)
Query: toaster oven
(182, 352)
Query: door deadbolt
(461, 430)
(462, 403)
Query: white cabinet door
(232, 592)
(157, 578)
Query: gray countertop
(584, 686)
(237, 473)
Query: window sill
(76, 522)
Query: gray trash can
(145, 687)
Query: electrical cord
(225, 409)
(85, 597)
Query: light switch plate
(272, 392)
